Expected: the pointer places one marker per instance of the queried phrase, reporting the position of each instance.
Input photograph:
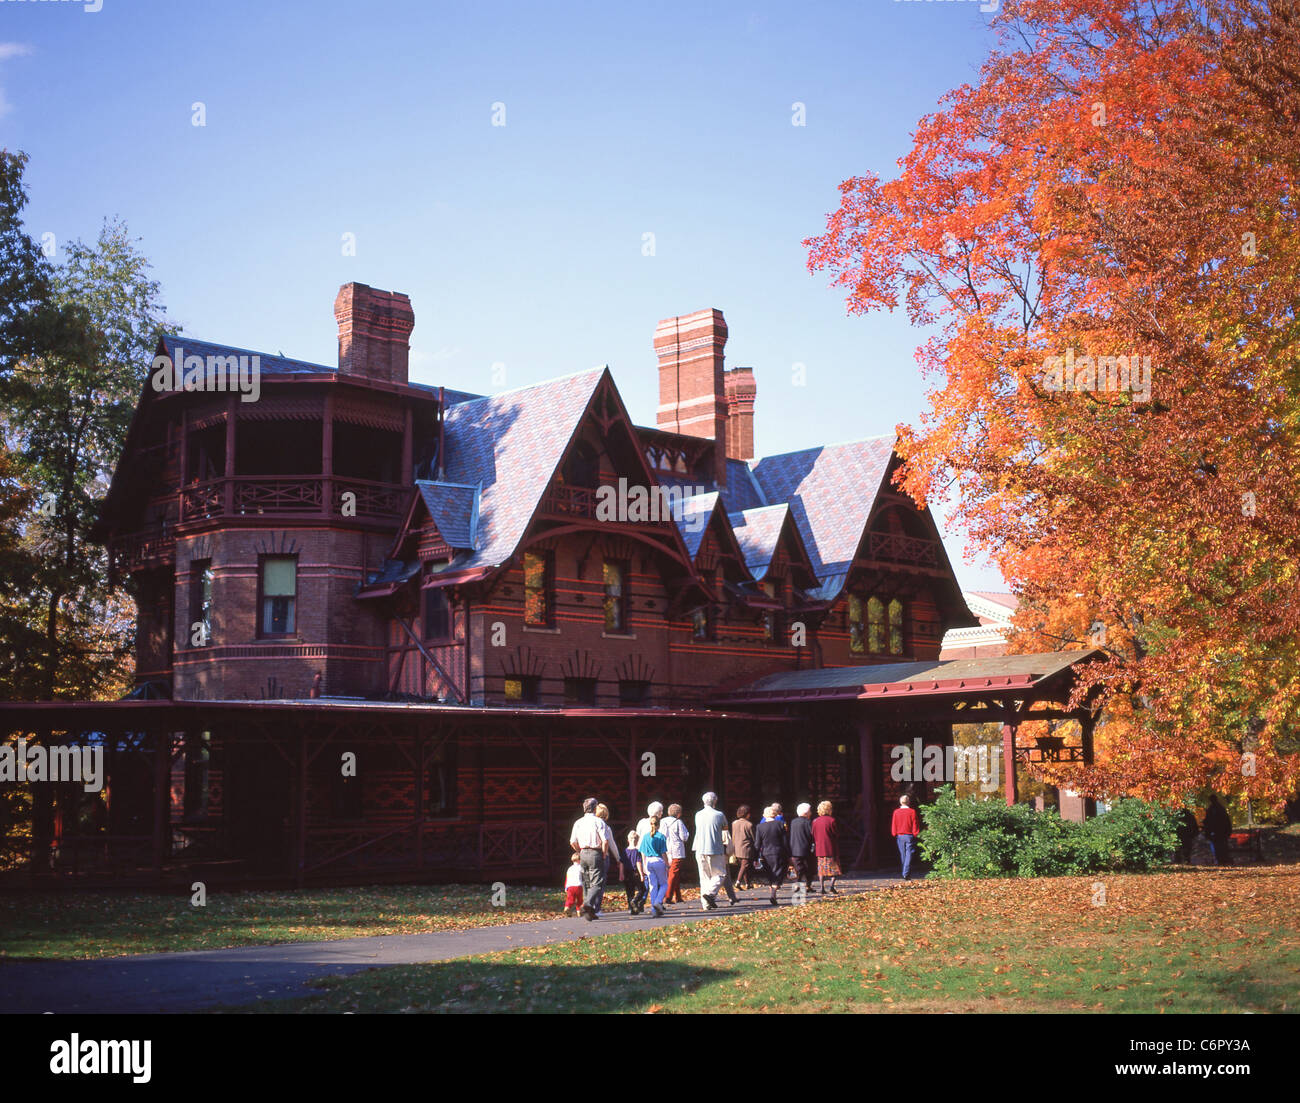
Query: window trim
(548, 588)
(292, 633)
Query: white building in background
(995, 611)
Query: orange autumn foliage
(1102, 233)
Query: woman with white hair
(655, 808)
(774, 848)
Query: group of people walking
(651, 864)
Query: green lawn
(1204, 940)
(85, 925)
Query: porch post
(162, 768)
(869, 765)
(300, 812)
(1087, 724)
(228, 489)
(327, 456)
(1009, 759)
(418, 808)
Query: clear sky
(520, 245)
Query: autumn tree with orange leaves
(1102, 235)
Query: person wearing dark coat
(801, 846)
(774, 848)
(1218, 826)
(1187, 829)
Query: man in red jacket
(905, 828)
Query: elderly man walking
(590, 840)
(711, 852)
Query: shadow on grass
(475, 986)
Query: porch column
(228, 489)
(327, 456)
(1009, 759)
(418, 803)
(1087, 724)
(299, 819)
(869, 766)
(162, 769)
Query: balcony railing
(904, 549)
(319, 496)
(570, 501)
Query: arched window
(856, 641)
(875, 625)
(896, 627)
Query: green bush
(985, 838)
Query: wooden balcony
(570, 501)
(902, 549)
(291, 497)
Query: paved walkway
(202, 979)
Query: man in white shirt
(590, 838)
(711, 852)
(678, 835)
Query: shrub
(985, 838)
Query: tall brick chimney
(741, 391)
(374, 332)
(691, 391)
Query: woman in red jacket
(826, 845)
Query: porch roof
(61, 715)
(893, 681)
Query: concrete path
(202, 979)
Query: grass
(1193, 940)
(74, 924)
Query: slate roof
(271, 364)
(831, 490)
(510, 445)
(454, 510)
(757, 531)
(689, 522)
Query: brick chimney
(691, 395)
(740, 391)
(374, 332)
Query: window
(440, 800)
(539, 589)
(198, 759)
(856, 642)
(522, 689)
(702, 623)
(774, 619)
(201, 602)
(895, 627)
(631, 692)
(579, 691)
(436, 615)
(279, 586)
(615, 595)
(875, 625)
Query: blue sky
(520, 245)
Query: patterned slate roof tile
(510, 444)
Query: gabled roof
(757, 532)
(453, 508)
(510, 445)
(693, 519)
(831, 491)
